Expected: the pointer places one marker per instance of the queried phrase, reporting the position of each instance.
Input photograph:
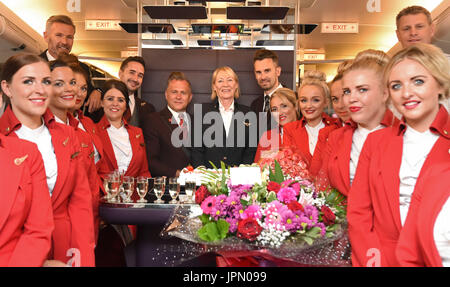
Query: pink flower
(286, 194)
(208, 204)
(252, 211)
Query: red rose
(295, 205)
(273, 186)
(201, 194)
(328, 215)
(248, 229)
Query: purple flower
(273, 213)
(208, 204)
(240, 189)
(252, 211)
(233, 224)
(312, 214)
(286, 194)
(290, 221)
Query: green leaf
(272, 196)
(212, 231)
(279, 178)
(313, 232)
(205, 219)
(308, 240)
(222, 227)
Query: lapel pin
(18, 161)
(83, 145)
(91, 155)
(75, 155)
(138, 136)
(7, 129)
(66, 141)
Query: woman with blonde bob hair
(283, 107)
(311, 132)
(226, 125)
(394, 159)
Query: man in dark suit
(131, 73)
(267, 71)
(59, 35)
(165, 131)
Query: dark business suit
(238, 148)
(163, 158)
(267, 122)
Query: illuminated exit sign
(340, 28)
(103, 25)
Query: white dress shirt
(43, 139)
(358, 140)
(313, 135)
(416, 147)
(50, 57)
(227, 116)
(176, 115)
(441, 233)
(132, 103)
(121, 144)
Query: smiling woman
(26, 80)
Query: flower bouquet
(284, 217)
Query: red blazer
(138, 165)
(373, 211)
(336, 153)
(295, 134)
(265, 142)
(95, 183)
(71, 197)
(91, 129)
(416, 246)
(26, 218)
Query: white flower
(305, 198)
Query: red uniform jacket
(336, 153)
(416, 246)
(71, 197)
(26, 218)
(295, 134)
(138, 165)
(95, 183)
(91, 129)
(373, 203)
(268, 142)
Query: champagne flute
(159, 188)
(128, 188)
(142, 188)
(174, 189)
(189, 189)
(114, 187)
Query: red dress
(336, 153)
(295, 134)
(416, 246)
(71, 197)
(138, 165)
(26, 218)
(373, 212)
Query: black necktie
(266, 103)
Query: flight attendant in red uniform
(395, 158)
(27, 82)
(304, 134)
(283, 107)
(123, 144)
(62, 101)
(424, 240)
(26, 218)
(365, 97)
